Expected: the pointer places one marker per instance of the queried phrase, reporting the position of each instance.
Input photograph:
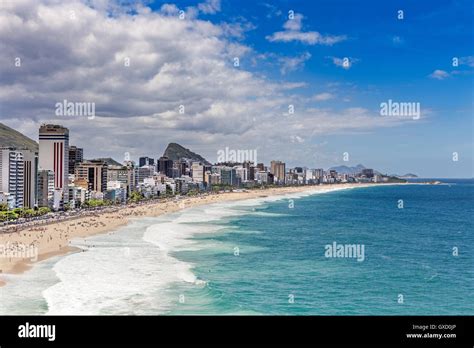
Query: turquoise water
(268, 256)
(408, 251)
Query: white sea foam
(22, 293)
(118, 274)
(130, 272)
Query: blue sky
(396, 58)
(337, 108)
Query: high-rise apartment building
(18, 170)
(277, 168)
(12, 175)
(145, 172)
(45, 188)
(95, 172)
(54, 156)
(76, 156)
(229, 176)
(197, 170)
(30, 180)
(165, 166)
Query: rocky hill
(12, 138)
(176, 152)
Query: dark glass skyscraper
(76, 156)
(165, 166)
(146, 161)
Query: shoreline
(54, 238)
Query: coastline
(53, 239)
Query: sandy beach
(53, 239)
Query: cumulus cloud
(154, 79)
(169, 9)
(210, 6)
(293, 32)
(238, 28)
(293, 63)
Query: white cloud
(237, 29)
(439, 74)
(293, 63)
(293, 85)
(344, 62)
(273, 11)
(173, 62)
(323, 96)
(293, 32)
(169, 9)
(295, 23)
(468, 60)
(296, 139)
(210, 6)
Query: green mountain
(12, 138)
(176, 152)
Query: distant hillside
(109, 161)
(408, 176)
(12, 138)
(348, 170)
(176, 152)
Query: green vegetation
(17, 213)
(93, 203)
(135, 197)
(8, 216)
(43, 210)
(68, 206)
(221, 187)
(395, 179)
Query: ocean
(381, 250)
